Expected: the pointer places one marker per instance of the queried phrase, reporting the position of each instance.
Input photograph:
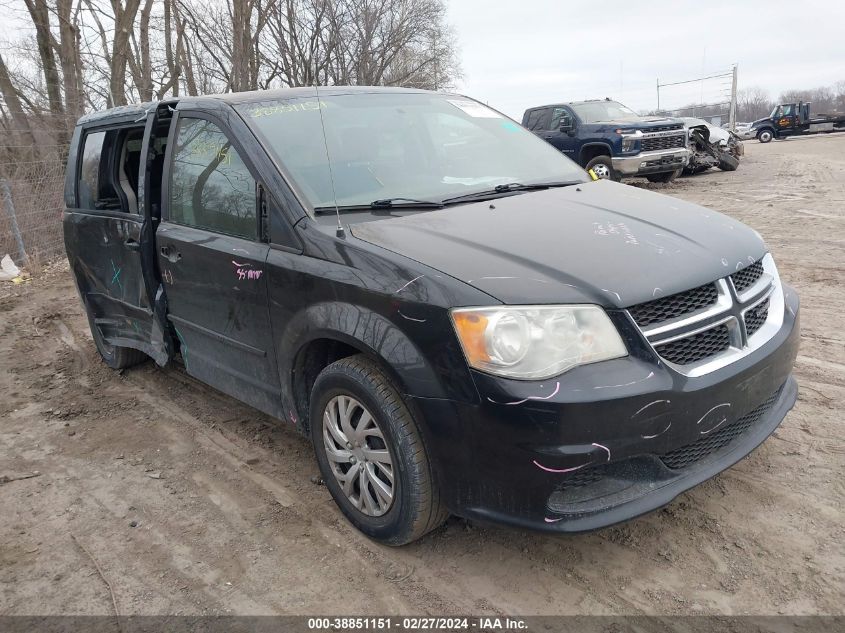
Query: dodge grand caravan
(458, 317)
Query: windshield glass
(597, 111)
(425, 146)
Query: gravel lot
(191, 503)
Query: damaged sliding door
(105, 222)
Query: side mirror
(566, 125)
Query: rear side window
(210, 186)
(95, 188)
(534, 120)
(108, 172)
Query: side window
(210, 186)
(95, 187)
(560, 115)
(108, 174)
(536, 119)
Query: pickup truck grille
(691, 330)
(663, 142)
(665, 128)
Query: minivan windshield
(598, 111)
(401, 145)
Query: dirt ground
(191, 503)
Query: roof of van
(235, 98)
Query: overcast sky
(532, 52)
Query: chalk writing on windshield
(285, 108)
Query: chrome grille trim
(723, 302)
(761, 285)
(729, 310)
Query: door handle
(170, 254)
(132, 244)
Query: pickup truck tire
(727, 162)
(666, 176)
(602, 167)
(361, 425)
(765, 135)
(112, 355)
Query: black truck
(790, 119)
(455, 314)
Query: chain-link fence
(31, 203)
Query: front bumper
(607, 442)
(646, 163)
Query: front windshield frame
(582, 111)
(566, 170)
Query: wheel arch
(325, 333)
(766, 128)
(590, 150)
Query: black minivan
(458, 316)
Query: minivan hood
(597, 242)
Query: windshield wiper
(506, 188)
(384, 203)
(392, 203)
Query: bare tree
(753, 103)
(15, 117)
(70, 56)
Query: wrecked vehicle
(611, 140)
(459, 318)
(711, 146)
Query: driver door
(786, 118)
(559, 133)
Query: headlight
(535, 342)
(629, 144)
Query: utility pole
(733, 101)
(658, 95)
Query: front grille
(583, 477)
(708, 444)
(748, 276)
(756, 317)
(664, 128)
(697, 347)
(663, 142)
(692, 328)
(675, 305)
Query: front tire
(602, 167)
(728, 162)
(371, 454)
(765, 136)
